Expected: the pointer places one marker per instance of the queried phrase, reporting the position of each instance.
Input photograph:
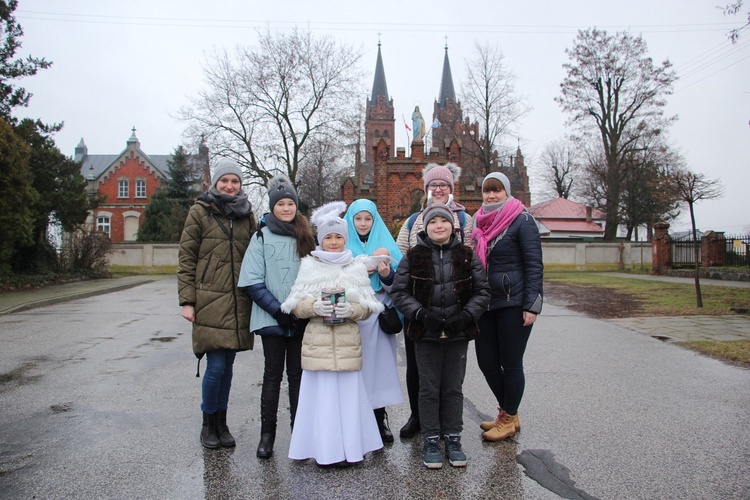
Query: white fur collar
(314, 275)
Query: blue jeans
(442, 368)
(500, 347)
(217, 380)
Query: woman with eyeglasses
(439, 182)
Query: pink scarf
(488, 226)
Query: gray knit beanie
(223, 167)
(500, 177)
(437, 209)
(280, 187)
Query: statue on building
(417, 124)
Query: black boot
(411, 427)
(209, 438)
(222, 430)
(267, 437)
(385, 432)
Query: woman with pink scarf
(507, 242)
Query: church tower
(380, 121)
(447, 111)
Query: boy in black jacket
(441, 289)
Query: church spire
(379, 87)
(446, 84)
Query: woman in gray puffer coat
(507, 243)
(213, 242)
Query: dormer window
(123, 188)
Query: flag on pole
(436, 123)
(405, 125)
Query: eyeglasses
(439, 185)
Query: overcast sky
(136, 62)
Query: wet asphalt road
(99, 399)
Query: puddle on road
(61, 407)
(162, 339)
(21, 375)
(540, 465)
(662, 338)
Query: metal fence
(736, 248)
(731, 251)
(683, 253)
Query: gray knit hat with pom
(280, 187)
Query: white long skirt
(379, 362)
(334, 421)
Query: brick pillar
(417, 150)
(713, 249)
(661, 248)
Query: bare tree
(321, 173)
(731, 9)
(614, 92)
(647, 193)
(489, 96)
(692, 188)
(560, 168)
(262, 105)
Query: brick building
(126, 181)
(394, 181)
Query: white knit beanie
(326, 220)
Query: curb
(73, 294)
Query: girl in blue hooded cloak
(379, 368)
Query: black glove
(431, 321)
(284, 319)
(459, 323)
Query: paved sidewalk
(675, 279)
(687, 328)
(39, 297)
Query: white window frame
(140, 188)
(104, 224)
(123, 188)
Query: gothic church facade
(394, 181)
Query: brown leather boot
(504, 428)
(485, 426)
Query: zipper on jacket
(234, 287)
(333, 343)
(205, 270)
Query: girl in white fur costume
(335, 423)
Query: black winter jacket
(444, 279)
(514, 267)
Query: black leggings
(278, 351)
(500, 347)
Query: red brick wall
(131, 167)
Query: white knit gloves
(343, 310)
(322, 308)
